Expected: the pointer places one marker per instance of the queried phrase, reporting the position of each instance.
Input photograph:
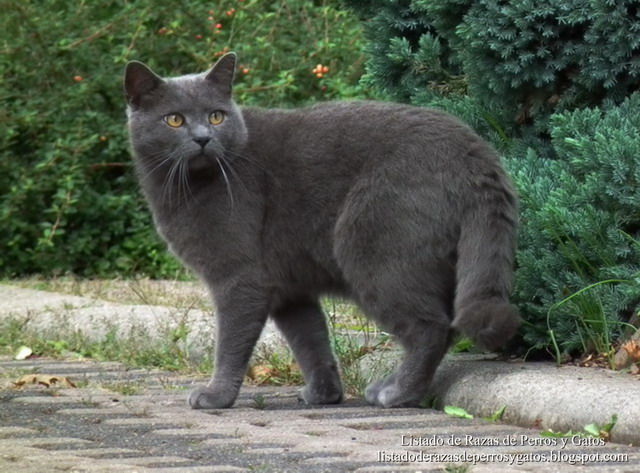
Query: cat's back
(357, 114)
(367, 129)
(335, 144)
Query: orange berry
(325, 69)
(219, 26)
(78, 78)
(210, 18)
(319, 75)
(245, 70)
(103, 138)
(198, 36)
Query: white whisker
(184, 172)
(247, 159)
(169, 182)
(226, 180)
(234, 173)
(157, 166)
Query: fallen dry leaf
(593, 359)
(45, 380)
(632, 347)
(260, 374)
(267, 374)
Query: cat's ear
(222, 73)
(138, 81)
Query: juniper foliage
(580, 218)
(531, 58)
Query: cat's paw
(320, 396)
(392, 396)
(387, 393)
(371, 392)
(206, 398)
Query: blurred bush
(68, 200)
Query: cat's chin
(201, 161)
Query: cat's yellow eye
(174, 120)
(216, 117)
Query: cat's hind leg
(415, 307)
(304, 326)
(408, 385)
(395, 242)
(408, 288)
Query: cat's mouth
(201, 160)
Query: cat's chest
(210, 231)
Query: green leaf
(457, 412)
(497, 415)
(608, 427)
(464, 344)
(592, 429)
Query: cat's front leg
(240, 318)
(304, 326)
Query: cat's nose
(202, 140)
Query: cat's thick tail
(485, 270)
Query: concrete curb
(543, 395)
(51, 314)
(535, 394)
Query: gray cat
(404, 210)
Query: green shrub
(68, 200)
(580, 227)
(528, 58)
(404, 54)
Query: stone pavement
(95, 427)
(118, 419)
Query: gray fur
(403, 210)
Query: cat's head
(191, 120)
